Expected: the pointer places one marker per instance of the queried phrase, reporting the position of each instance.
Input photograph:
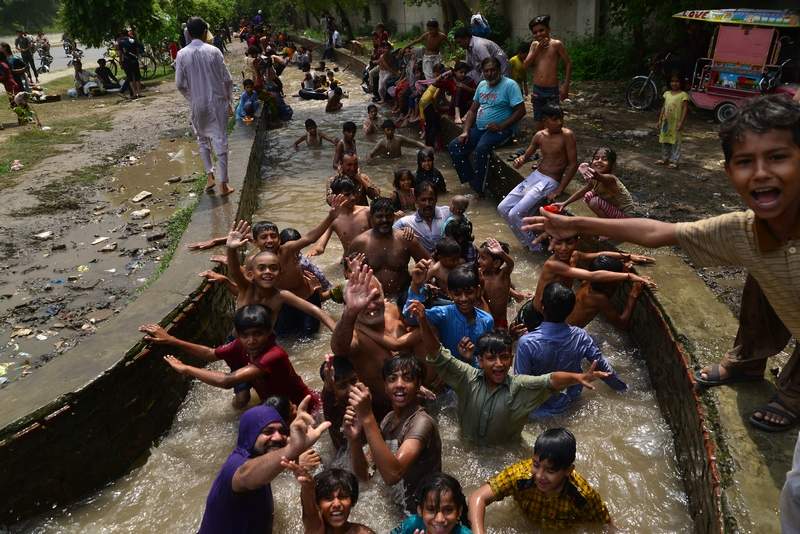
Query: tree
(32, 15)
(94, 22)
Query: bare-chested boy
(387, 252)
(345, 145)
(495, 266)
(313, 137)
(364, 187)
(593, 298)
(257, 283)
(353, 220)
(544, 55)
(367, 309)
(556, 169)
(559, 268)
(391, 146)
(433, 39)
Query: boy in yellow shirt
(517, 70)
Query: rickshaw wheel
(724, 111)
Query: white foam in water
(625, 447)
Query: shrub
(610, 57)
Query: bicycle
(642, 91)
(112, 59)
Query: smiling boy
(761, 144)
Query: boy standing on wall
(433, 39)
(543, 56)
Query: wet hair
(423, 154)
(403, 363)
(289, 234)
(605, 263)
(490, 60)
(544, 20)
(423, 186)
(495, 342)
(310, 123)
(461, 65)
(463, 277)
(196, 27)
(399, 174)
(760, 115)
(438, 483)
(460, 199)
(281, 405)
(485, 248)
(447, 247)
(371, 107)
(349, 126)
(461, 230)
(558, 302)
(342, 185)
(432, 23)
(552, 111)
(529, 316)
(462, 33)
(264, 226)
(252, 316)
(381, 204)
(557, 445)
(611, 155)
(248, 82)
(342, 368)
(388, 123)
(327, 482)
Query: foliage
(611, 57)
(32, 15)
(80, 18)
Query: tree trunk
(346, 26)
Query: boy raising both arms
(433, 39)
(556, 169)
(391, 146)
(547, 487)
(313, 137)
(761, 144)
(544, 55)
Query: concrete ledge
(86, 417)
(732, 473)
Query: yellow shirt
(518, 71)
(673, 110)
(577, 503)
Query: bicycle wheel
(148, 67)
(641, 93)
(112, 66)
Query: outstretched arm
(157, 335)
(478, 501)
(319, 247)
(312, 519)
(300, 141)
(561, 379)
(357, 296)
(237, 238)
(314, 234)
(218, 379)
(645, 232)
(576, 273)
(306, 307)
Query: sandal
(782, 411)
(713, 378)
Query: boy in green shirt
(492, 406)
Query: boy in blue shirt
(248, 102)
(454, 321)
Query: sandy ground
(54, 289)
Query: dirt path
(75, 247)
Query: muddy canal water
(625, 447)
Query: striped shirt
(741, 239)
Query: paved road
(60, 59)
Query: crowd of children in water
(407, 337)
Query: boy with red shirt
(254, 359)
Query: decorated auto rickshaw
(743, 57)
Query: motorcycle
(75, 55)
(45, 59)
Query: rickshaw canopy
(775, 18)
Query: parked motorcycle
(45, 60)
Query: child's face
(563, 248)
(348, 135)
(341, 389)
(675, 84)
(457, 209)
(401, 388)
(335, 509)
(548, 478)
(441, 519)
(388, 132)
(254, 340)
(765, 170)
(248, 88)
(495, 366)
(485, 261)
(553, 124)
(426, 164)
(264, 270)
(268, 240)
(465, 299)
(460, 74)
(540, 31)
(312, 131)
(600, 162)
(450, 262)
(406, 183)
(373, 113)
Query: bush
(610, 57)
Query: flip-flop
(713, 377)
(763, 424)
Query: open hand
(494, 246)
(175, 363)
(202, 245)
(637, 258)
(156, 334)
(213, 276)
(407, 233)
(647, 281)
(238, 236)
(359, 292)
(586, 379)
(309, 459)
(302, 433)
(556, 226)
(517, 330)
(302, 474)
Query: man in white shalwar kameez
(203, 79)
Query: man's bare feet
(210, 182)
(226, 189)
